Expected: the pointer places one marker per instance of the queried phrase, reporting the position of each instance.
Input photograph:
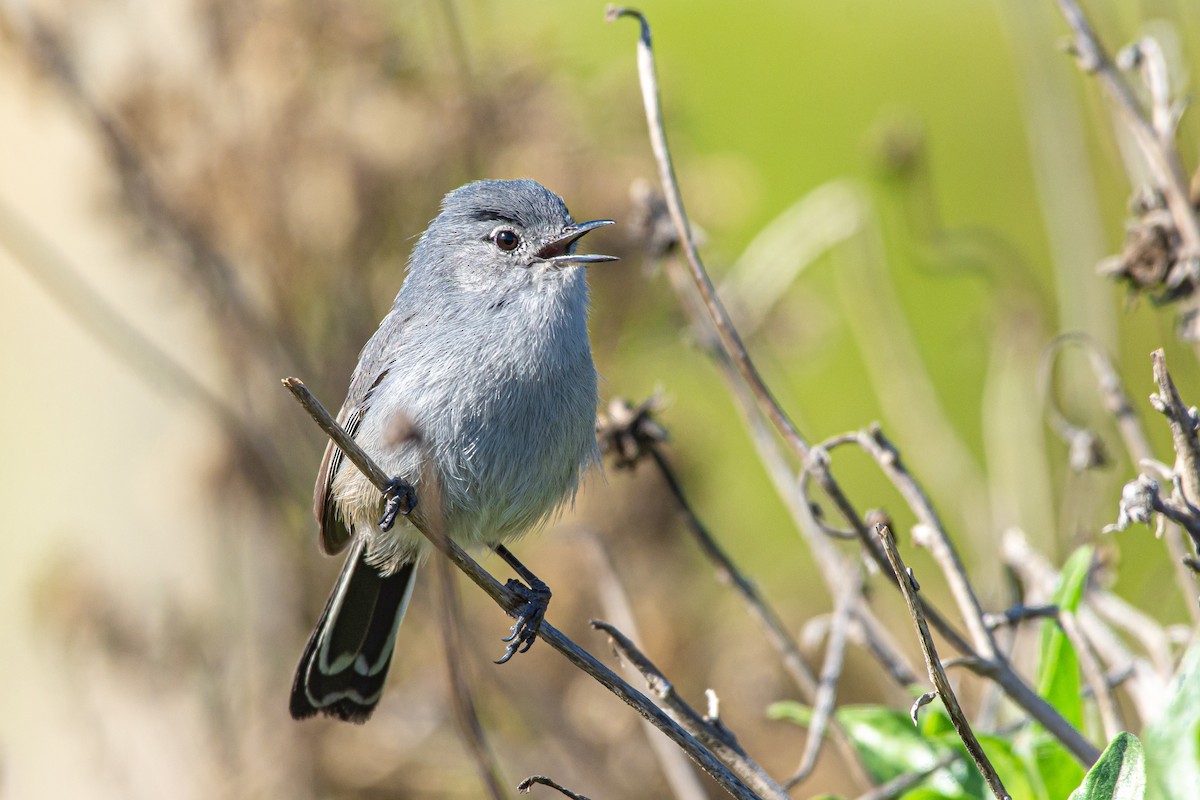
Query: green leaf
(890, 745)
(1120, 774)
(791, 711)
(1058, 671)
(1173, 740)
(927, 793)
(1058, 681)
(886, 741)
(1009, 766)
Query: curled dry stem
(735, 353)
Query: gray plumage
(485, 358)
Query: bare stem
(469, 726)
(1093, 674)
(831, 673)
(524, 786)
(731, 342)
(932, 534)
(716, 737)
(909, 588)
(777, 633)
(1183, 428)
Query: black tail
(345, 663)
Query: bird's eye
(506, 240)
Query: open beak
(557, 253)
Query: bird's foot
(536, 599)
(398, 498)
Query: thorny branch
(511, 603)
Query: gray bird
(484, 358)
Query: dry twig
(524, 786)
(710, 732)
(630, 432)
(813, 461)
(909, 588)
(831, 673)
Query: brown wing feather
(334, 533)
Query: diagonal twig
(909, 588)
(712, 734)
(524, 786)
(831, 673)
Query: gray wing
(374, 363)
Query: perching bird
(485, 359)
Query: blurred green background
(160, 571)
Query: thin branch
(909, 588)
(1161, 156)
(731, 342)
(993, 665)
(685, 783)
(1018, 614)
(1147, 686)
(524, 786)
(511, 603)
(777, 633)
(1133, 434)
(931, 533)
(1093, 675)
(716, 737)
(902, 783)
(1183, 422)
(831, 673)
(629, 433)
(462, 702)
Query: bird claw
(399, 499)
(524, 631)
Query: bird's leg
(536, 596)
(398, 498)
